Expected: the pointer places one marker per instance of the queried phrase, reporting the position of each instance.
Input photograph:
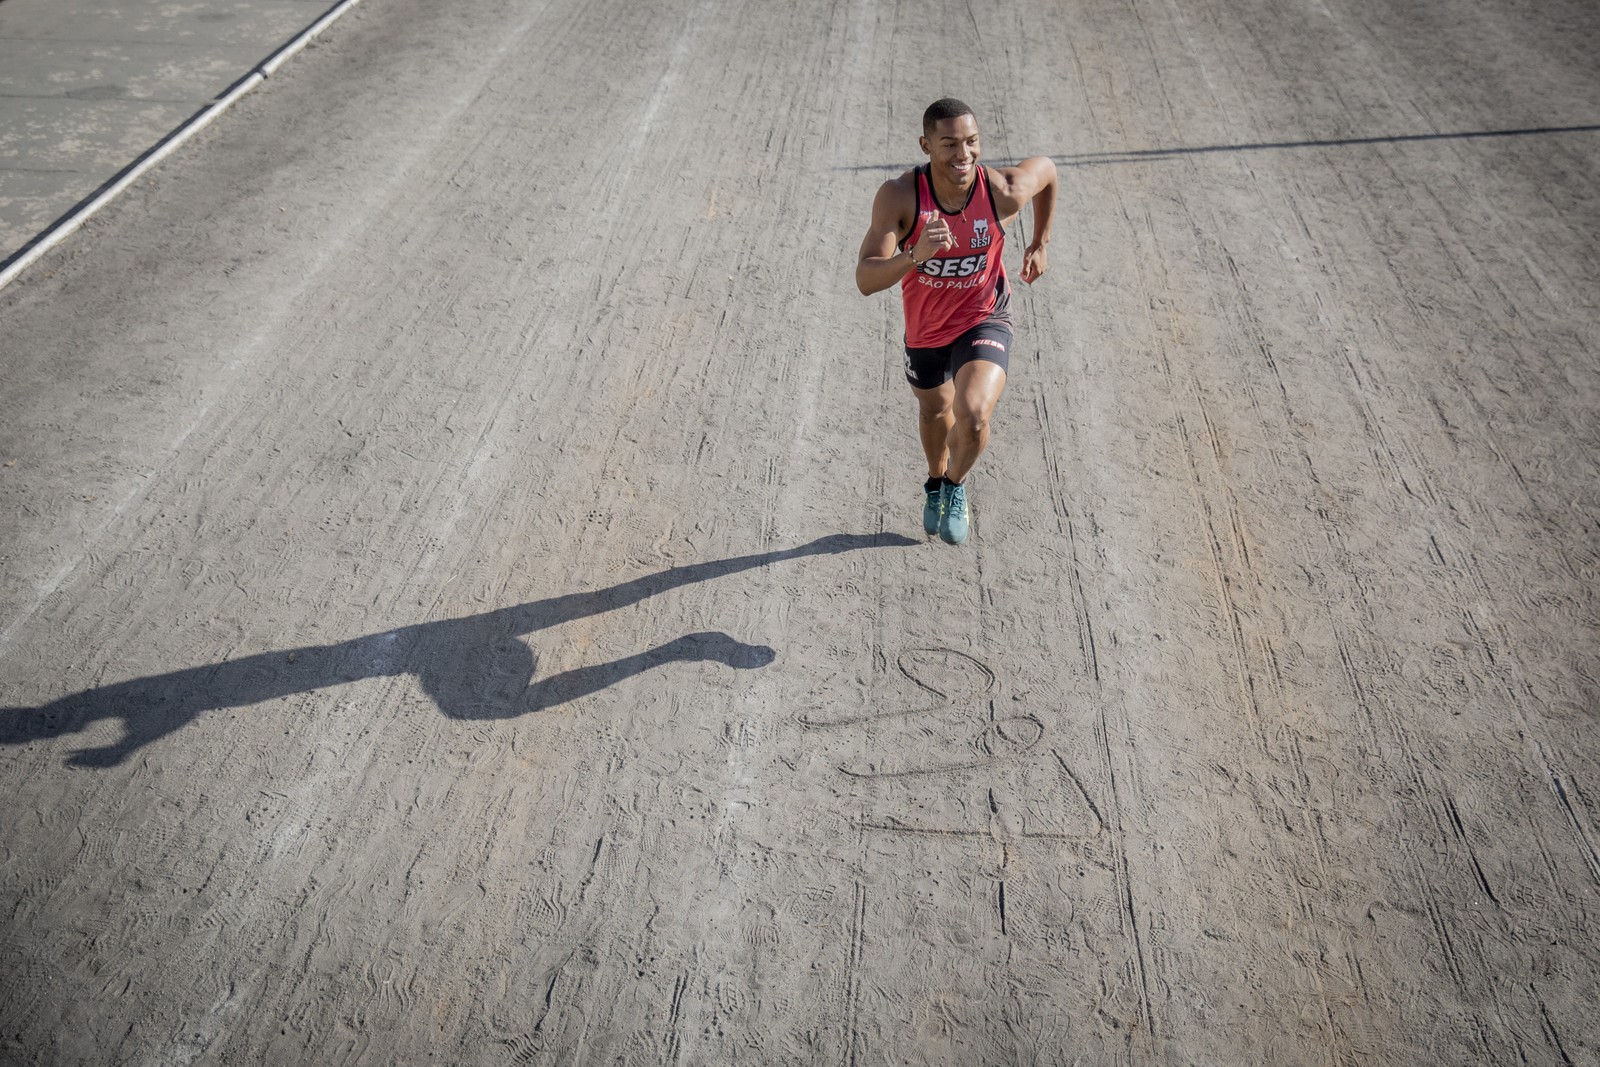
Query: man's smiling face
(952, 148)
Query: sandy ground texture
(464, 596)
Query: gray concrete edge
(67, 224)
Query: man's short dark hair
(948, 108)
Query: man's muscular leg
(974, 393)
(936, 415)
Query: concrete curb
(67, 224)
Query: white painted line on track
(68, 224)
(290, 50)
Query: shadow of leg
(712, 646)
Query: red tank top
(961, 286)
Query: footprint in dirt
(952, 724)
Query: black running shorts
(929, 368)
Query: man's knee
(972, 423)
(928, 411)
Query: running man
(938, 230)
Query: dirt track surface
(465, 599)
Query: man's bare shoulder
(1025, 174)
(902, 186)
(896, 203)
(1016, 185)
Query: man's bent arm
(1044, 205)
(1037, 183)
(881, 264)
(877, 273)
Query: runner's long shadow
(1152, 155)
(472, 667)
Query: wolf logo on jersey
(980, 233)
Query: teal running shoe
(953, 516)
(931, 508)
